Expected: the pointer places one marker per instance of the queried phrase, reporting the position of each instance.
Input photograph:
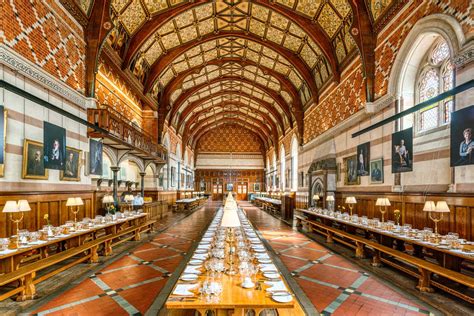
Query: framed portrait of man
(3, 139)
(363, 158)
(95, 157)
(33, 161)
(402, 151)
(256, 187)
(351, 177)
(376, 171)
(72, 165)
(462, 143)
(54, 138)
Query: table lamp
(440, 207)
(383, 202)
(330, 199)
(71, 202)
(108, 200)
(79, 202)
(316, 199)
(128, 199)
(351, 200)
(14, 207)
(231, 220)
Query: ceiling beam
(161, 63)
(197, 115)
(286, 85)
(366, 39)
(99, 26)
(269, 107)
(188, 93)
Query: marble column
(142, 183)
(115, 185)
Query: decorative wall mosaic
(229, 139)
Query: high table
(189, 204)
(269, 205)
(233, 298)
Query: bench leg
(424, 281)
(107, 247)
(376, 262)
(29, 289)
(94, 254)
(360, 250)
(137, 236)
(329, 239)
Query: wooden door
(242, 191)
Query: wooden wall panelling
(459, 220)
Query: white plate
(264, 260)
(281, 297)
(259, 250)
(201, 251)
(271, 275)
(189, 277)
(248, 286)
(195, 262)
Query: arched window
(282, 168)
(294, 164)
(435, 76)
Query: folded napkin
(7, 251)
(183, 289)
(276, 286)
(192, 269)
(265, 267)
(200, 256)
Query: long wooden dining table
(234, 297)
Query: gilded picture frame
(33, 163)
(72, 169)
(350, 176)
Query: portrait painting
(376, 171)
(72, 165)
(351, 177)
(54, 138)
(95, 157)
(402, 151)
(229, 187)
(256, 187)
(3, 136)
(462, 143)
(363, 158)
(33, 161)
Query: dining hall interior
(230, 157)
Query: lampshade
(316, 197)
(330, 198)
(128, 198)
(24, 206)
(429, 206)
(442, 207)
(383, 202)
(71, 202)
(351, 200)
(230, 219)
(11, 207)
(108, 199)
(79, 201)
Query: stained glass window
(436, 76)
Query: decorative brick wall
(392, 39)
(44, 34)
(112, 91)
(229, 139)
(337, 105)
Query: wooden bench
(26, 275)
(425, 268)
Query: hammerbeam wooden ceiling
(262, 62)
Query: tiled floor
(131, 284)
(333, 284)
